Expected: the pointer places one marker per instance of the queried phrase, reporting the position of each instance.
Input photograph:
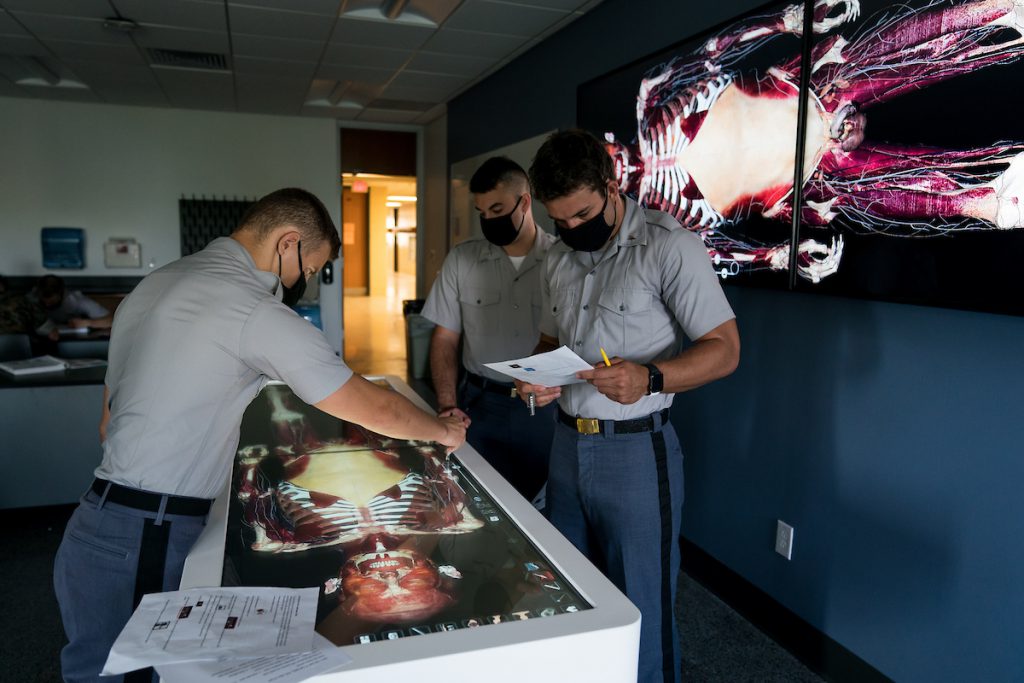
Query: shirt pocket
(564, 309)
(481, 311)
(626, 317)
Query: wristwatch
(655, 380)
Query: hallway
(375, 329)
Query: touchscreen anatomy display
(400, 538)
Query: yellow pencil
(605, 356)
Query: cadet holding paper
(487, 297)
(632, 281)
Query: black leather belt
(505, 390)
(146, 500)
(590, 425)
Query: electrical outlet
(784, 539)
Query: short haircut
(50, 286)
(295, 208)
(570, 160)
(496, 171)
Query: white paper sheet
(552, 369)
(214, 623)
(272, 669)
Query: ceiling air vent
(184, 59)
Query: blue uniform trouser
(619, 499)
(112, 555)
(509, 438)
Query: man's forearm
(381, 410)
(444, 371)
(709, 358)
(545, 344)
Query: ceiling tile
(489, 45)
(428, 80)
(204, 16)
(387, 116)
(16, 45)
(72, 51)
(456, 65)
(322, 7)
(96, 9)
(274, 67)
(431, 13)
(52, 27)
(416, 93)
(344, 72)
(563, 5)
(380, 34)
(183, 39)
(270, 94)
(111, 73)
(502, 18)
(264, 47)
(358, 55)
(9, 27)
(279, 24)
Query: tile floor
(375, 329)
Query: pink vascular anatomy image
(715, 146)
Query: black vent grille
(185, 59)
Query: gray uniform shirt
(496, 308)
(637, 299)
(192, 345)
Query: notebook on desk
(45, 364)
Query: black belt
(505, 390)
(146, 500)
(589, 425)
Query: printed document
(271, 669)
(214, 623)
(552, 369)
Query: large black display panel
(400, 538)
(911, 173)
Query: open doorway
(378, 226)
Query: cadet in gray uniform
(488, 296)
(633, 282)
(191, 346)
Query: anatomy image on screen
(715, 145)
(309, 492)
(398, 536)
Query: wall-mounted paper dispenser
(63, 247)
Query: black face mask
(590, 235)
(500, 230)
(294, 293)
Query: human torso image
(302, 492)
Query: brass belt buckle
(588, 425)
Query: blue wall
(890, 436)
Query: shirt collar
(268, 281)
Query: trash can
(417, 338)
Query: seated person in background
(69, 308)
(21, 315)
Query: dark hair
(50, 286)
(297, 208)
(495, 171)
(568, 161)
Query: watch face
(656, 381)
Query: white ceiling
(338, 58)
